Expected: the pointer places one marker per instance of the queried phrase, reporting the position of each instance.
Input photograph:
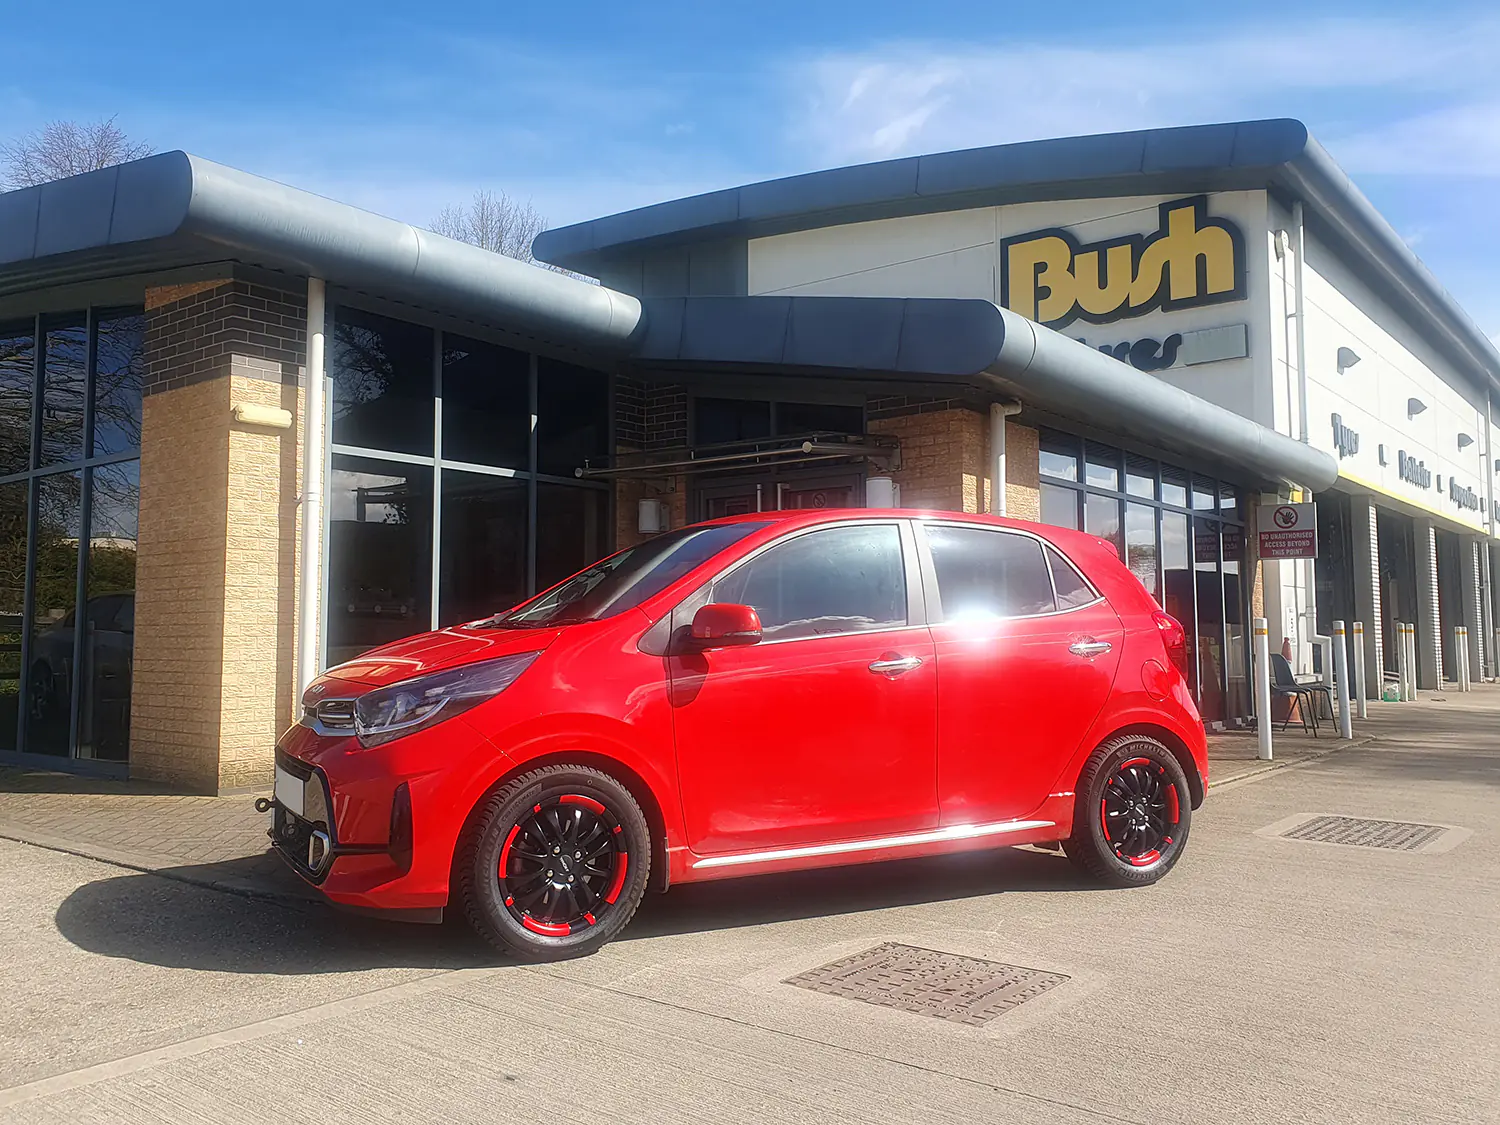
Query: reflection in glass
(1177, 582)
(572, 423)
(54, 597)
(119, 374)
(1203, 495)
(1174, 487)
(811, 417)
(1101, 517)
(1140, 546)
(571, 530)
(1210, 591)
(64, 362)
(17, 374)
(382, 383)
(379, 554)
(486, 403)
(1140, 477)
(109, 638)
(1236, 598)
(1058, 456)
(1102, 466)
(1229, 502)
(718, 420)
(1059, 506)
(482, 564)
(12, 604)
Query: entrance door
(825, 730)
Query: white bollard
(1401, 662)
(1411, 661)
(1361, 704)
(1341, 679)
(1461, 656)
(1262, 669)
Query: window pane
(842, 580)
(1236, 657)
(718, 420)
(1177, 576)
(1072, 590)
(571, 531)
(12, 597)
(1140, 546)
(17, 372)
(1060, 506)
(1102, 466)
(1173, 487)
(1229, 502)
(572, 417)
(1210, 589)
(64, 359)
(811, 418)
(1203, 495)
(379, 554)
(119, 373)
(1059, 456)
(985, 574)
(483, 562)
(1140, 477)
(382, 383)
(59, 506)
(486, 404)
(109, 643)
(1101, 517)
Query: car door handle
(895, 665)
(1089, 648)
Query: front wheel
(556, 863)
(1131, 812)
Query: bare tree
(66, 148)
(494, 222)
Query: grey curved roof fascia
(979, 344)
(1277, 154)
(174, 208)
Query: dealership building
(250, 432)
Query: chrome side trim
(953, 832)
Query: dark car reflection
(104, 704)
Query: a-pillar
(1429, 619)
(1366, 569)
(215, 619)
(1469, 547)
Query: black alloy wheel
(555, 863)
(1131, 812)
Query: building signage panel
(1289, 531)
(1188, 261)
(1181, 349)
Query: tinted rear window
(984, 573)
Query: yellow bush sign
(1189, 260)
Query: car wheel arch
(1173, 742)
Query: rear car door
(1026, 653)
(826, 729)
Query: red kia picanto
(755, 694)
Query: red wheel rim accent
(1139, 812)
(563, 865)
(579, 799)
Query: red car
(755, 694)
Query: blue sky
(588, 108)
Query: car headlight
(398, 710)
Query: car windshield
(626, 579)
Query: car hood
(432, 652)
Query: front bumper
(307, 837)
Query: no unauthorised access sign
(1289, 531)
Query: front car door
(825, 730)
(1026, 656)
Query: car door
(825, 730)
(1025, 663)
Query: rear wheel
(1131, 813)
(556, 864)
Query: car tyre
(521, 890)
(1132, 812)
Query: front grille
(333, 714)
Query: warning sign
(1289, 531)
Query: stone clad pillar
(1365, 567)
(215, 618)
(1429, 620)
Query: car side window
(847, 579)
(983, 574)
(1072, 590)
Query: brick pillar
(944, 452)
(214, 673)
(1367, 608)
(1429, 620)
(1023, 491)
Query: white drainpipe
(999, 412)
(310, 617)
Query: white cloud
(1393, 95)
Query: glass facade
(451, 492)
(1182, 534)
(70, 435)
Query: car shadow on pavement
(173, 919)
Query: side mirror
(724, 625)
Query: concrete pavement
(1265, 980)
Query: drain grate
(1359, 832)
(926, 982)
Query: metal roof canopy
(1277, 155)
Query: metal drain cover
(925, 982)
(1364, 832)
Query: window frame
(934, 594)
